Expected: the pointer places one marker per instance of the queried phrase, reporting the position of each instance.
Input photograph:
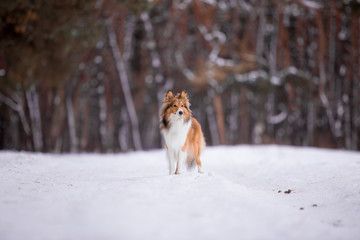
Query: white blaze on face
(177, 115)
(178, 112)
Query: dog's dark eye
(182, 105)
(175, 106)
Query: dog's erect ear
(169, 95)
(183, 95)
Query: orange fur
(194, 142)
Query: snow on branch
(247, 7)
(182, 4)
(287, 74)
(210, 2)
(293, 71)
(216, 39)
(180, 62)
(276, 119)
(128, 38)
(252, 76)
(155, 58)
(224, 5)
(211, 36)
(311, 4)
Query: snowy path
(130, 196)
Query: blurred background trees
(82, 75)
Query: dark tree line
(90, 75)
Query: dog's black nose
(181, 113)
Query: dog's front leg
(180, 163)
(171, 157)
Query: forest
(90, 76)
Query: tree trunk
(71, 118)
(35, 117)
(123, 77)
(220, 118)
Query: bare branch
(18, 108)
(14, 106)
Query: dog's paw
(200, 170)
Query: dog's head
(175, 107)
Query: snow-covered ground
(131, 196)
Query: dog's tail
(191, 160)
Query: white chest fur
(175, 136)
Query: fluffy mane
(169, 100)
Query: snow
(130, 196)
(311, 4)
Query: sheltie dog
(184, 140)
